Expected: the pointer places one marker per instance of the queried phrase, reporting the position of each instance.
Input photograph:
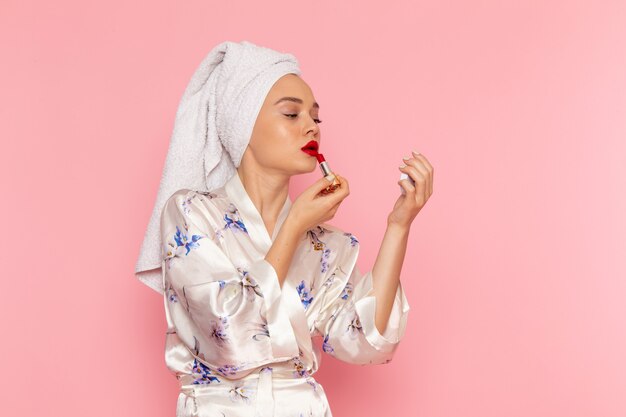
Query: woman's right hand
(312, 208)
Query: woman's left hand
(409, 204)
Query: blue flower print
(324, 260)
(304, 295)
(353, 239)
(182, 240)
(312, 383)
(250, 286)
(172, 296)
(202, 373)
(347, 290)
(233, 220)
(228, 369)
(326, 347)
(218, 330)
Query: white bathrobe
(239, 344)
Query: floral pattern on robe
(239, 343)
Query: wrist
(291, 227)
(398, 228)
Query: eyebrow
(296, 100)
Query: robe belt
(265, 394)
(264, 403)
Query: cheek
(282, 137)
(284, 132)
(274, 148)
(276, 142)
(273, 129)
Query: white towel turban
(212, 129)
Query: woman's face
(283, 127)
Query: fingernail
(402, 166)
(415, 153)
(406, 158)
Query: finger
(424, 160)
(421, 168)
(335, 196)
(340, 192)
(412, 172)
(319, 185)
(345, 186)
(408, 188)
(420, 180)
(418, 164)
(431, 169)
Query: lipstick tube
(328, 174)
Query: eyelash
(318, 121)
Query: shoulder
(194, 205)
(186, 198)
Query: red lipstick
(310, 148)
(328, 174)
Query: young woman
(251, 277)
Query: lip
(310, 148)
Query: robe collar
(261, 239)
(251, 216)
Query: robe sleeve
(347, 323)
(224, 311)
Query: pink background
(515, 272)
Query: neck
(268, 192)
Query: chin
(306, 168)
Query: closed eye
(295, 115)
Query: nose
(315, 128)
